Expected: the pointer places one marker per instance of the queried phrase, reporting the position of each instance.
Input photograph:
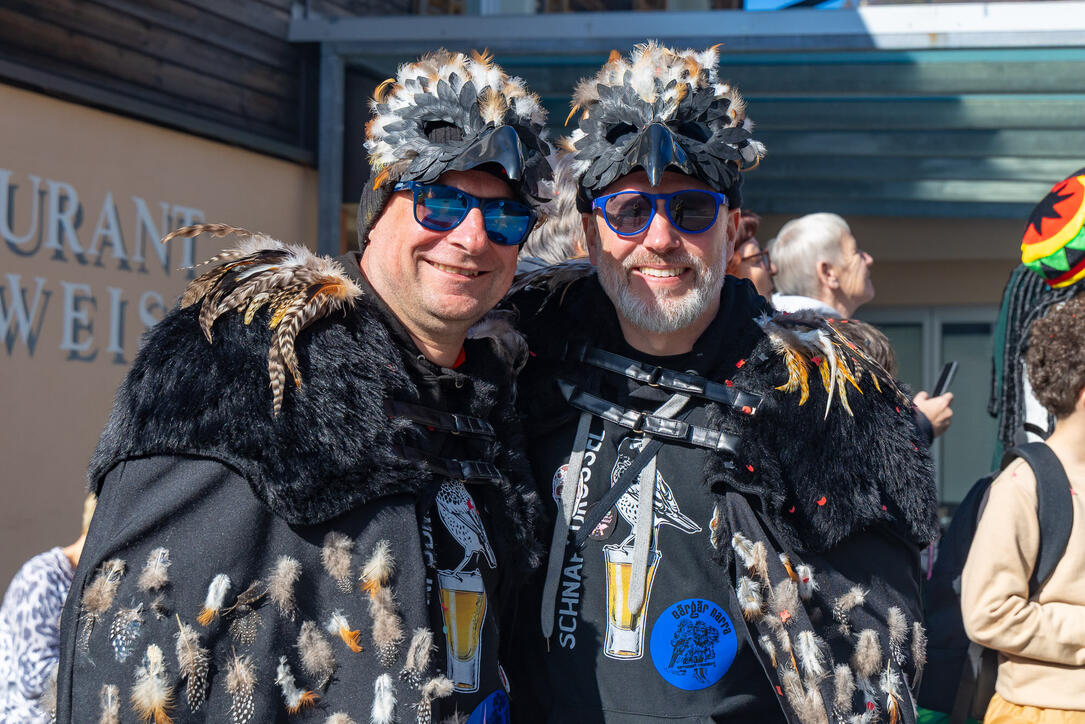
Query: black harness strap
(648, 424)
(684, 382)
(466, 471)
(451, 422)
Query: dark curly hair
(1056, 365)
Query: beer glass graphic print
(625, 627)
(462, 589)
(463, 606)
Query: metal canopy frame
(380, 43)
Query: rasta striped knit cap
(1054, 241)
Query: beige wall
(84, 196)
(932, 262)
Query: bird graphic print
(664, 506)
(462, 589)
(460, 517)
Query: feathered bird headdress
(661, 108)
(453, 112)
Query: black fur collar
(331, 448)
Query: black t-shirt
(686, 657)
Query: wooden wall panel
(222, 64)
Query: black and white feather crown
(661, 108)
(446, 112)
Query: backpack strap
(1054, 507)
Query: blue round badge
(693, 644)
(494, 709)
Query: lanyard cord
(643, 467)
(569, 486)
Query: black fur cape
(332, 447)
(818, 476)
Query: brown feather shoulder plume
(297, 286)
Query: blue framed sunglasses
(443, 208)
(628, 213)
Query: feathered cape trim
(858, 461)
(323, 444)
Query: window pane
(907, 342)
(968, 445)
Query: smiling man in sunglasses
(738, 499)
(342, 535)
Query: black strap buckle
(644, 423)
(452, 422)
(465, 471)
(654, 377)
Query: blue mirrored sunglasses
(630, 212)
(443, 208)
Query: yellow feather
(846, 374)
(350, 638)
(385, 89)
(797, 378)
(254, 306)
(281, 311)
(787, 567)
(571, 114)
(826, 375)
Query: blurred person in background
(1040, 638)
(1052, 271)
(822, 269)
(562, 237)
(749, 260)
(30, 628)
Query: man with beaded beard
(738, 500)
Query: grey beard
(659, 315)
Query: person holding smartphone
(820, 268)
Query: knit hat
(453, 112)
(660, 109)
(1054, 241)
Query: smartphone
(945, 379)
